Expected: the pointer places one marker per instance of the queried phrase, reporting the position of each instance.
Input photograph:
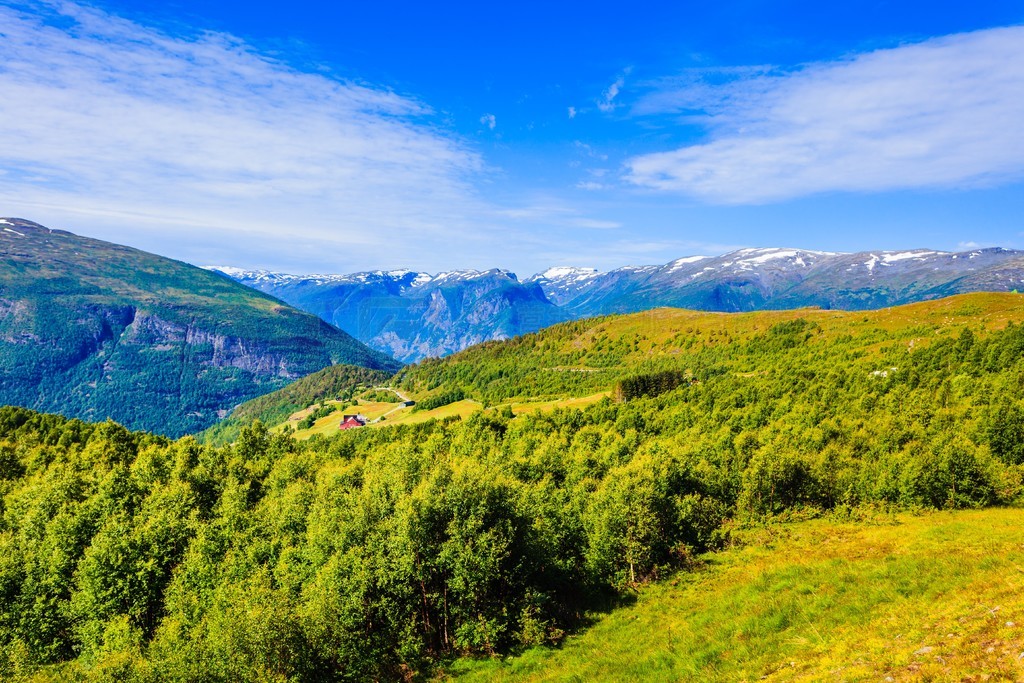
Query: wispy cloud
(594, 224)
(588, 150)
(106, 122)
(572, 112)
(941, 113)
(607, 101)
(489, 120)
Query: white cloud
(594, 224)
(104, 122)
(942, 113)
(607, 101)
(572, 112)
(589, 185)
(489, 120)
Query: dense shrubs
(650, 384)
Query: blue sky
(335, 137)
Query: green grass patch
(931, 597)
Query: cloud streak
(109, 122)
(944, 113)
(607, 102)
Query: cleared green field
(328, 425)
(527, 407)
(936, 597)
(586, 356)
(461, 409)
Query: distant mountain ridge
(778, 278)
(413, 315)
(94, 330)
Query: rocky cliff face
(95, 330)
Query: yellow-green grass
(603, 350)
(935, 597)
(328, 425)
(395, 415)
(462, 409)
(527, 407)
(987, 310)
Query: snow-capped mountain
(562, 283)
(412, 315)
(750, 279)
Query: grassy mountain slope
(929, 597)
(581, 357)
(94, 330)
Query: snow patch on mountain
(892, 257)
(565, 273)
(685, 261)
(748, 259)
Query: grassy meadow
(926, 597)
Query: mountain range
(412, 315)
(94, 330)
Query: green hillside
(274, 408)
(94, 330)
(400, 552)
(934, 597)
(581, 357)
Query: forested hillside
(379, 552)
(94, 330)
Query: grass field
(328, 425)
(527, 407)
(936, 597)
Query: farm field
(392, 414)
(929, 597)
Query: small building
(407, 404)
(352, 421)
